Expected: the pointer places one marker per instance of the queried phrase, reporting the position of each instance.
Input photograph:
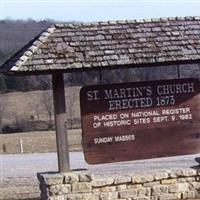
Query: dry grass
(22, 105)
(37, 142)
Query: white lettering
(93, 95)
(178, 88)
(130, 103)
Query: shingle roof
(110, 44)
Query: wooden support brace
(60, 122)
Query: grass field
(37, 142)
(23, 105)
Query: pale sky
(96, 10)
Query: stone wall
(156, 185)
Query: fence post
(21, 146)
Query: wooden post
(60, 125)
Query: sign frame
(115, 143)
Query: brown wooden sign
(141, 120)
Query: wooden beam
(88, 69)
(60, 122)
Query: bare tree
(70, 97)
(36, 108)
(47, 101)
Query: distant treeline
(15, 34)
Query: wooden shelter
(64, 48)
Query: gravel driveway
(18, 172)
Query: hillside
(16, 33)
(23, 109)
